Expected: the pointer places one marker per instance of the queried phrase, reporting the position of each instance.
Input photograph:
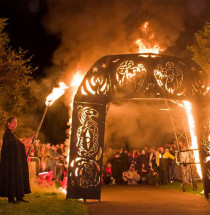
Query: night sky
(67, 35)
(26, 31)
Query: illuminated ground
(145, 199)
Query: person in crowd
(117, 167)
(153, 176)
(147, 152)
(42, 155)
(108, 179)
(144, 171)
(57, 146)
(60, 152)
(36, 148)
(144, 159)
(171, 165)
(52, 158)
(131, 176)
(125, 160)
(153, 158)
(45, 175)
(64, 177)
(163, 163)
(133, 158)
(185, 159)
(14, 175)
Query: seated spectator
(131, 176)
(144, 173)
(153, 177)
(64, 178)
(45, 176)
(108, 179)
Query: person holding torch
(14, 176)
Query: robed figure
(14, 175)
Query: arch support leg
(86, 151)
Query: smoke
(88, 30)
(136, 125)
(91, 29)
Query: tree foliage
(201, 48)
(15, 76)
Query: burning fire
(56, 93)
(76, 81)
(194, 141)
(150, 46)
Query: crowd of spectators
(153, 166)
(47, 162)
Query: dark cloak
(14, 176)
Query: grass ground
(177, 185)
(43, 201)
(51, 201)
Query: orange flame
(56, 93)
(76, 81)
(145, 27)
(149, 46)
(194, 141)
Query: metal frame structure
(119, 77)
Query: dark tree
(201, 47)
(15, 77)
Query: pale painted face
(12, 125)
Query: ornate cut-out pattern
(86, 173)
(199, 86)
(127, 74)
(206, 138)
(97, 84)
(169, 77)
(87, 133)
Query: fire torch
(56, 93)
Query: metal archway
(128, 76)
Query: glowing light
(67, 159)
(72, 163)
(75, 83)
(77, 79)
(63, 190)
(103, 87)
(148, 45)
(194, 142)
(56, 93)
(145, 27)
(89, 88)
(76, 171)
(83, 91)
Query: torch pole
(40, 125)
